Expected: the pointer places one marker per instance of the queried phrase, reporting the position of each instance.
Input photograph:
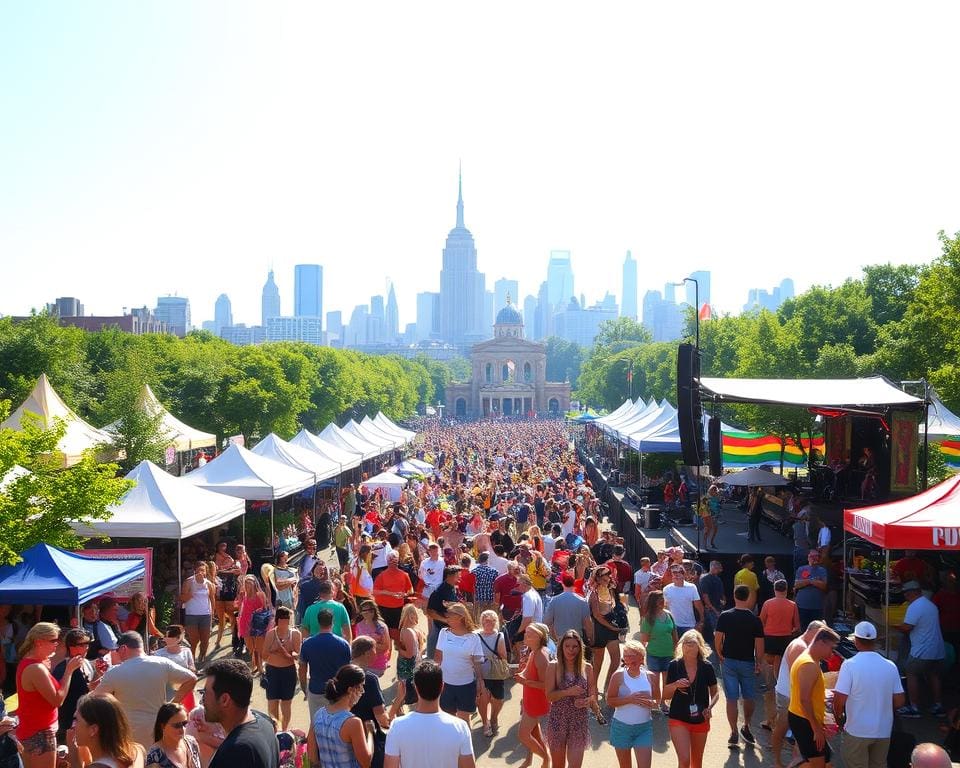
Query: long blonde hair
(692, 636)
(410, 619)
(459, 609)
(42, 630)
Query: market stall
(927, 521)
(50, 576)
(388, 426)
(390, 485)
(333, 434)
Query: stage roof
(869, 394)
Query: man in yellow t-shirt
(746, 576)
(808, 701)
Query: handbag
(618, 616)
(260, 622)
(264, 678)
(497, 668)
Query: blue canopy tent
(51, 576)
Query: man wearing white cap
(867, 693)
(922, 623)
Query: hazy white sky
(185, 147)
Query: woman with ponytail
(337, 738)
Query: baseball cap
(911, 585)
(865, 631)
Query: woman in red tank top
(534, 704)
(39, 695)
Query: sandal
(488, 732)
(766, 726)
(601, 719)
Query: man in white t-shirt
(428, 737)
(641, 581)
(431, 569)
(682, 599)
(868, 692)
(531, 605)
(569, 519)
(497, 562)
(140, 683)
(922, 622)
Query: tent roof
(753, 477)
(181, 436)
(44, 402)
(273, 447)
(872, 393)
(333, 434)
(51, 576)
(380, 440)
(925, 521)
(346, 459)
(383, 421)
(616, 412)
(384, 478)
(369, 426)
(941, 422)
(245, 475)
(162, 506)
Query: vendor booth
(389, 484)
(390, 428)
(928, 521)
(346, 459)
(333, 434)
(50, 576)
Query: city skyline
(696, 138)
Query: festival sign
(141, 583)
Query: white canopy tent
(637, 411)
(161, 506)
(390, 484)
(274, 447)
(650, 419)
(941, 422)
(368, 426)
(385, 423)
(243, 474)
(333, 434)
(616, 413)
(178, 434)
(872, 393)
(382, 442)
(346, 459)
(44, 403)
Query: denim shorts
(624, 736)
(658, 663)
(739, 679)
(459, 698)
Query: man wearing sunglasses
(76, 641)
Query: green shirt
(340, 538)
(661, 636)
(311, 626)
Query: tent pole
(272, 533)
(243, 527)
(179, 565)
(926, 439)
(886, 600)
(845, 575)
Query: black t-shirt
(443, 593)
(79, 685)
(601, 551)
(697, 695)
(252, 745)
(371, 699)
(740, 628)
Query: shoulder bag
(496, 667)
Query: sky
(185, 147)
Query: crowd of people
(494, 577)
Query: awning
(927, 521)
(51, 576)
(161, 506)
(333, 434)
(241, 473)
(179, 435)
(274, 447)
(869, 394)
(346, 459)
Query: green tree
(890, 290)
(39, 506)
(621, 333)
(564, 359)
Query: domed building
(509, 376)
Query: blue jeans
(432, 636)
(739, 679)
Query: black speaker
(715, 440)
(689, 412)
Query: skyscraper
(174, 312)
(335, 328)
(376, 321)
(270, 300)
(702, 277)
(392, 320)
(308, 290)
(461, 285)
(628, 305)
(428, 316)
(222, 314)
(559, 280)
(503, 288)
(529, 312)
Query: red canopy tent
(928, 521)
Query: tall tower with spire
(628, 306)
(462, 286)
(392, 319)
(270, 300)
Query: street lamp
(696, 305)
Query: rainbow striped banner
(751, 449)
(950, 450)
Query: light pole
(696, 320)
